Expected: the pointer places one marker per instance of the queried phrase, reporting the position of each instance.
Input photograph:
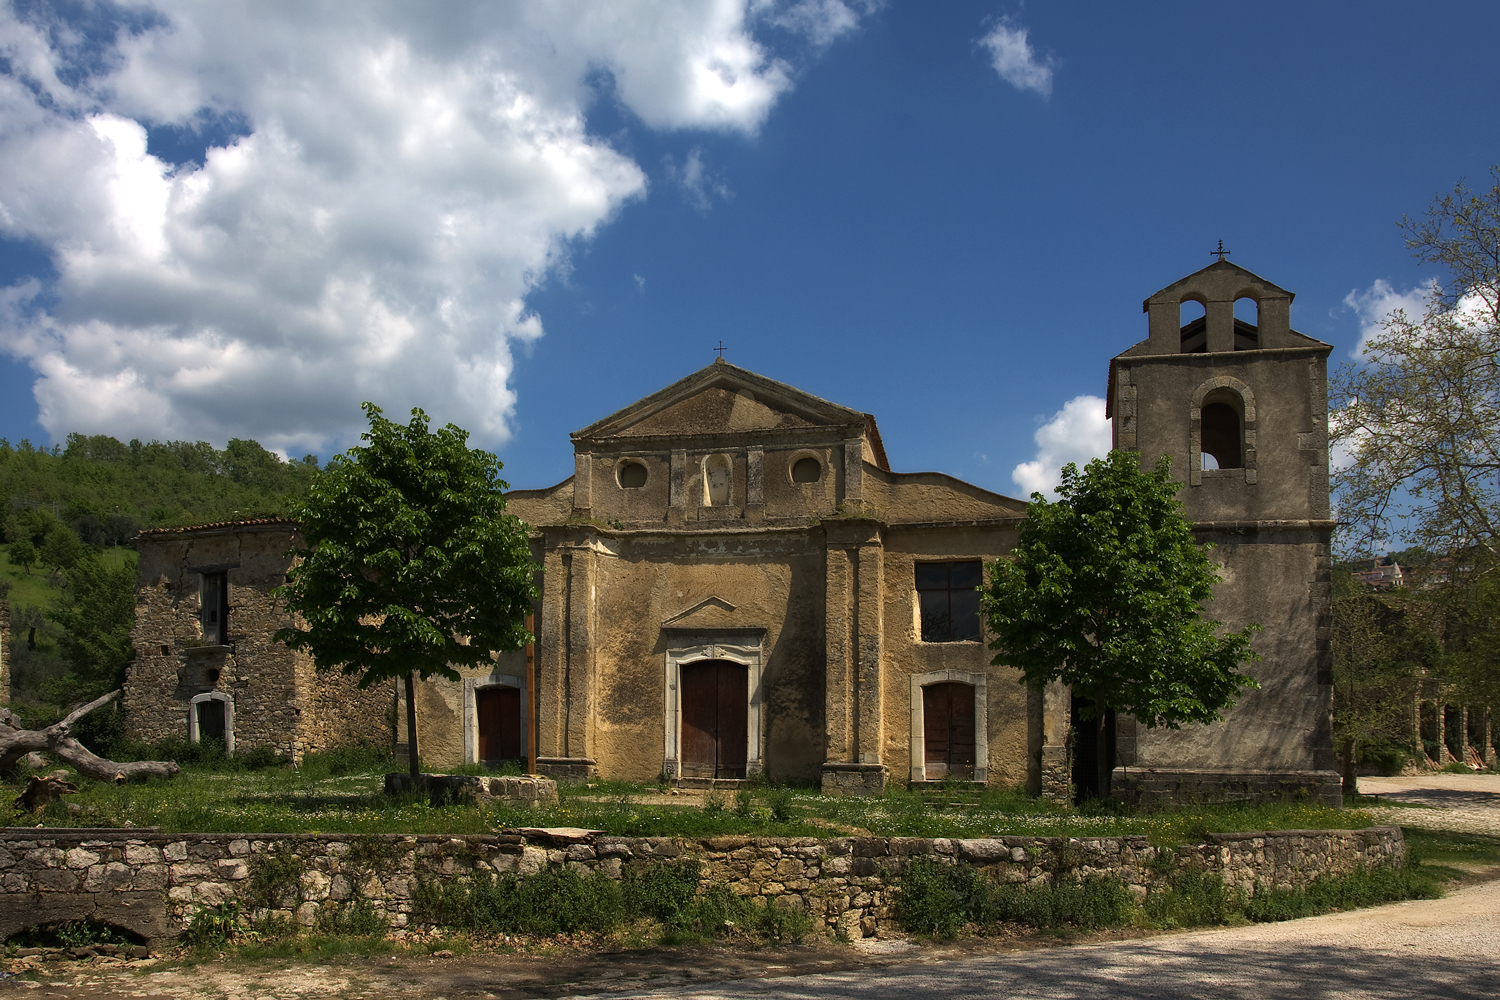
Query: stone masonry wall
(153, 883)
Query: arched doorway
(497, 711)
(948, 730)
(715, 716)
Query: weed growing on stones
(275, 879)
(941, 899)
(213, 927)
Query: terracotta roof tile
(255, 522)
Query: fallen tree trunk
(16, 742)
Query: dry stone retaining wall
(154, 883)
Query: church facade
(734, 584)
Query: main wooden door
(211, 721)
(948, 730)
(715, 712)
(499, 715)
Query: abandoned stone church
(736, 583)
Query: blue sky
(221, 222)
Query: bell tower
(1241, 409)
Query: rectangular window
(948, 596)
(214, 602)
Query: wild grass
(942, 900)
(342, 791)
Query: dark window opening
(1220, 436)
(948, 598)
(213, 676)
(215, 611)
(166, 651)
(632, 475)
(807, 470)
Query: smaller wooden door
(715, 714)
(948, 730)
(211, 720)
(498, 710)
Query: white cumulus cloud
(1078, 433)
(1016, 61)
(1375, 304)
(399, 179)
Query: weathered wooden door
(948, 730)
(715, 713)
(211, 719)
(498, 710)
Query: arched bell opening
(1193, 323)
(1246, 324)
(1222, 431)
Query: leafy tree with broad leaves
(1104, 592)
(23, 553)
(412, 567)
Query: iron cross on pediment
(1220, 251)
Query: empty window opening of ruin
(214, 603)
(1222, 431)
(632, 475)
(807, 470)
(948, 600)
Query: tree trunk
(411, 727)
(1351, 779)
(16, 743)
(1101, 753)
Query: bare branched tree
(1420, 418)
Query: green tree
(1104, 591)
(23, 553)
(412, 567)
(96, 613)
(62, 549)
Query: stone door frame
(472, 685)
(685, 648)
(979, 681)
(199, 699)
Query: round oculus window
(632, 475)
(807, 470)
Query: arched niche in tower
(1246, 322)
(1221, 430)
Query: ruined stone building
(206, 664)
(734, 582)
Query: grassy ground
(317, 799)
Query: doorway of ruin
(1088, 734)
(715, 700)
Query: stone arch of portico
(979, 681)
(472, 687)
(199, 699)
(686, 648)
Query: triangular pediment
(709, 613)
(1218, 273)
(722, 399)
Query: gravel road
(1464, 803)
(1447, 948)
